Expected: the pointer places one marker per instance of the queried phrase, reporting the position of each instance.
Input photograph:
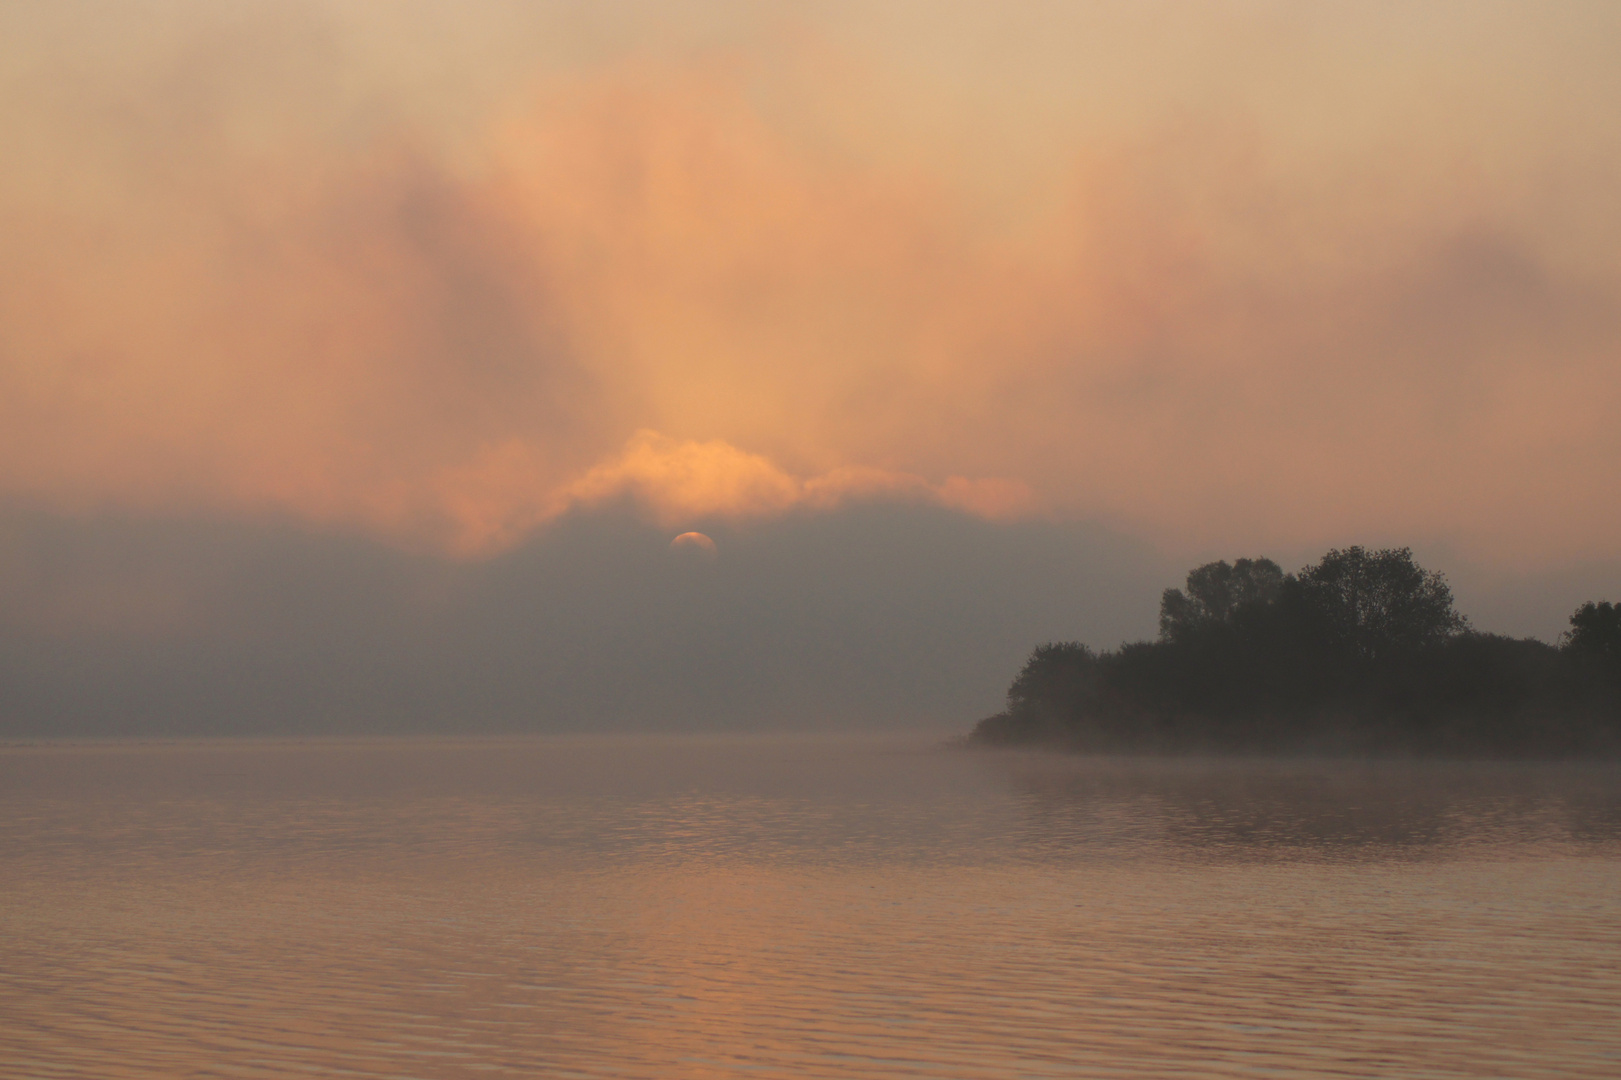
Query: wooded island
(1362, 652)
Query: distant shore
(1362, 653)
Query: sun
(694, 546)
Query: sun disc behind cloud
(694, 547)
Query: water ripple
(798, 908)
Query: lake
(775, 906)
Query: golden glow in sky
(1232, 274)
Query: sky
(419, 294)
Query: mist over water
(795, 906)
(878, 616)
(393, 389)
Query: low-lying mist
(876, 615)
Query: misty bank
(1362, 652)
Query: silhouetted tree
(1061, 675)
(1361, 651)
(1057, 685)
(1593, 646)
(1216, 591)
(1595, 632)
(1380, 602)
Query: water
(781, 907)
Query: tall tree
(1595, 632)
(1215, 592)
(1377, 603)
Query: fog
(1244, 276)
(879, 615)
(358, 361)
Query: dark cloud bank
(876, 615)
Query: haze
(359, 361)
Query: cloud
(1217, 317)
(689, 481)
(876, 613)
(676, 482)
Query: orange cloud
(678, 482)
(1207, 321)
(686, 481)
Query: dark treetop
(1361, 652)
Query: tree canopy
(1381, 602)
(1215, 592)
(1595, 630)
(1363, 650)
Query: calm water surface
(794, 907)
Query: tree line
(1363, 651)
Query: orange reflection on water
(791, 908)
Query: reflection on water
(798, 907)
(1257, 809)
